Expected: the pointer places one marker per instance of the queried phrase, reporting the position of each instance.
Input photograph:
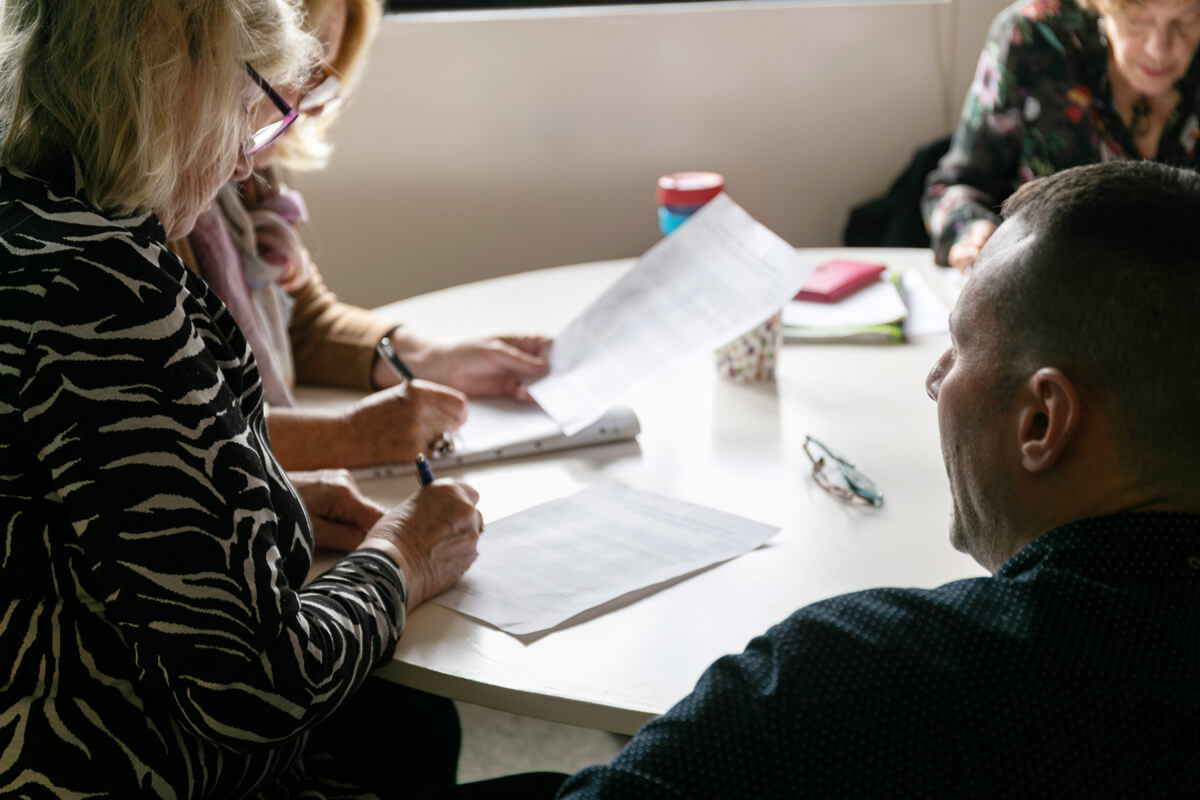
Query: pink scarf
(249, 252)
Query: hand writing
(395, 424)
(431, 536)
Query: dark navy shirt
(1074, 671)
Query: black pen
(388, 354)
(424, 470)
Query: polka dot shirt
(1074, 671)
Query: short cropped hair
(1109, 293)
(306, 145)
(143, 95)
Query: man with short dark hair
(1066, 405)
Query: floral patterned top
(1040, 102)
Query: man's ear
(1049, 416)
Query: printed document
(540, 567)
(497, 421)
(715, 277)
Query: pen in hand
(388, 353)
(424, 470)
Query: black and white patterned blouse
(154, 636)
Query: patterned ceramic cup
(752, 357)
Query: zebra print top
(154, 636)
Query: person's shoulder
(112, 277)
(1057, 24)
(1051, 12)
(44, 228)
(904, 634)
(67, 269)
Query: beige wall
(479, 146)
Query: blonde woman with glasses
(247, 246)
(155, 637)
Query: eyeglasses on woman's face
(322, 93)
(265, 136)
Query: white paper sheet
(876, 304)
(496, 421)
(498, 429)
(714, 278)
(540, 567)
(926, 312)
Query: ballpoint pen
(444, 444)
(424, 470)
(388, 354)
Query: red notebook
(833, 280)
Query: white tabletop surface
(706, 440)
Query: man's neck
(1074, 506)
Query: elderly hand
(395, 424)
(431, 536)
(341, 515)
(495, 367)
(386, 427)
(963, 253)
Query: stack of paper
(887, 311)
(873, 314)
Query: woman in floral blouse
(1062, 83)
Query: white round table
(706, 440)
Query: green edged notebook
(872, 315)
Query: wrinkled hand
(395, 424)
(495, 367)
(341, 515)
(963, 253)
(431, 536)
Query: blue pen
(424, 470)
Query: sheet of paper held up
(540, 567)
(717, 276)
(926, 312)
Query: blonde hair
(145, 95)
(306, 145)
